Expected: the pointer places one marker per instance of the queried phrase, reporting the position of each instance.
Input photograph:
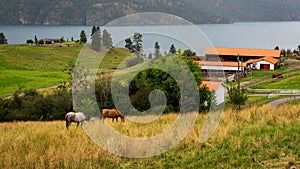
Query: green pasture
(12, 77)
(43, 58)
(292, 82)
(33, 66)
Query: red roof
(243, 52)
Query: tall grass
(260, 137)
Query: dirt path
(282, 101)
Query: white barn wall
(220, 94)
(264, 62)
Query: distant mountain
(97, 12)
(251, 10)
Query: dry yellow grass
(50, 145)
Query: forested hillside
(254, 10)
(100, 12)
(95, 12)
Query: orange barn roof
(267, 58)
(243, 52)
(270, 59)
(212, 86)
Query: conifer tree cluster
(100, 40)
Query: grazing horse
(77, 118)
(112, 113)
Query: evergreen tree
(3, 40)
(129, 45)
(83, 38)
(137, 43)
(96, 38)
(94, 30)
(106, 39)
(172, 50)
(36, 41)
(157, 50)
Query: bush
(29, 105)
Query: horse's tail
(67, 121)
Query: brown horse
(78, 118)
(112, 113)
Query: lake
(197, 37)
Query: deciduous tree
(29, 41)
(188, 52)
(237, 97)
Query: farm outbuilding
(50, 41)
(266, 63)
(219, 88)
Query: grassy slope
(290, 78)
(35, 66)
(285, 83)
(256, 138)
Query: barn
(225, 62)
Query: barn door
(267, 66)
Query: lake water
(240, 34)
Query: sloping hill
(39, 67)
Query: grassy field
(291, 82)
(262, 79)
(260, 137)
(42, 66)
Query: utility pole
(238, 59)
(239, 85)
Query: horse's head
(89, 119)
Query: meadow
(259, 137)
(31, 66)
